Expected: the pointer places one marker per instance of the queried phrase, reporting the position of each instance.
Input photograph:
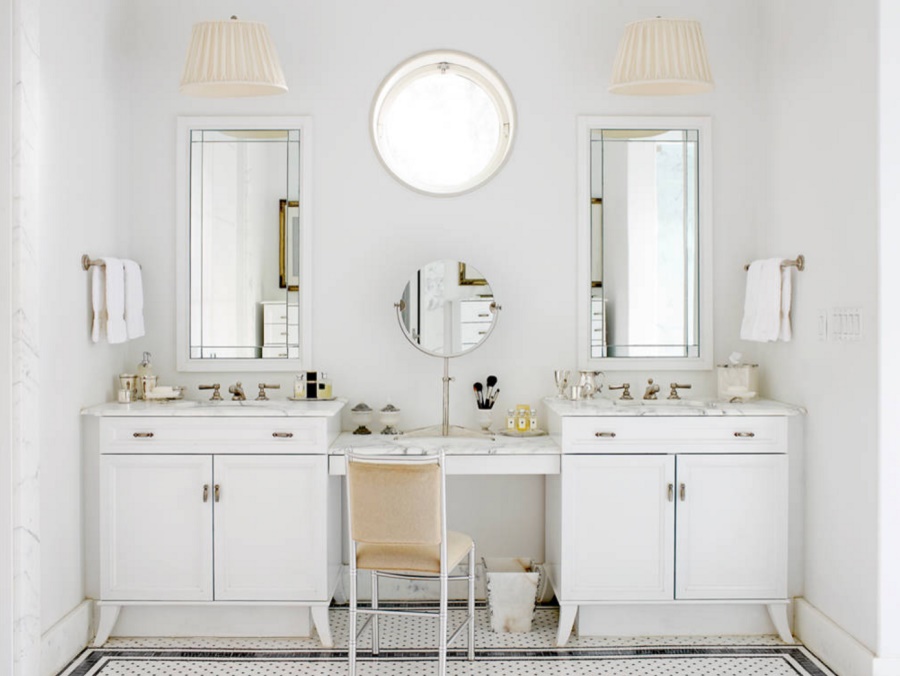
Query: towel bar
(799, 263)
(87, 263)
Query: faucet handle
(216, 395)
(238, 391)
(675, 387)
(626, 393)
(262, 391)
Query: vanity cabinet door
(618, 527)
(156, 514)
(732, 527)
(270, 538)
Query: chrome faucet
(652, 389)
(238, 392)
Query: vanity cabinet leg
(566, 621)
(108, 617)
(320, 619)
(778, 612)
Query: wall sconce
(232, 58)
(662, 57)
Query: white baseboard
(842, 653)
(65, 639)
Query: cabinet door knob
(205, 492)
(744, 435)
(282, 435)
(143, 435)
(681, 492)
(670, 492)
(216, 492)
(607, 435)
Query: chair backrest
(395, 500)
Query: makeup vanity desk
(494, 454)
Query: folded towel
(134, 299)
(116, 331)
(767, 302)
(98, 302)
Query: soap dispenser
(146, 375)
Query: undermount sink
(654, 403)
(174, 403)
(247, 402)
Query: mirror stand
(445, 429)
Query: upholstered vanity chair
(398, 529)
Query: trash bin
(512, 587)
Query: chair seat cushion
(413, 558)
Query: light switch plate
(845, 324)
(822, 325)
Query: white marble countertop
(665, 407)
(489, 445)
(190, 408)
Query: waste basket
(512, 586)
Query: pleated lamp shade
(662, 57)
(232, 58)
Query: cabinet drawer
(213, 435)
(475, 311)
(474, 332)
(281, 352)
(279, 313)
(688, 434)
(280, 334)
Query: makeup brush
(493, 398)
(491, 381)
(479, 396)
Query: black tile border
(90, 658)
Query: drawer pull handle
(670, 492)
(484, 314)
(216, 492)
(682, 492)
(282, 435)
(205, 492)
(608, 435)
(143, 435)
(744, 435)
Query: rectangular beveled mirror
(244, 259)
(644, 233)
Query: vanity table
(212, 504)
(671, 503)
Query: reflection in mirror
(645, 232)
(447, 308)
(243, 268)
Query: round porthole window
(443, 123)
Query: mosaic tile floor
(405, 651)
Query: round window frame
(465, 65)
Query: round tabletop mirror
(447, 308)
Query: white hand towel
(98, 302)
(784, 329)
(763, 301)
(134, 299)
(116, 331)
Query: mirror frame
(183, 244)
(704, 361)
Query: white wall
(84, 210)
(370, 232)
(889, 330)
(819, 197)
(6, 471)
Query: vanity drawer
(677, 434)
(475, 311)
(471, 334)
(279, 313)
(220, 435)
(281, 352)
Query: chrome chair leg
(351, 620)
(442, 646)
(471, 604)
(374, 617)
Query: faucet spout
(238, 391)
(651, 391)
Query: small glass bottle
(511, 420)
(532, 422)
